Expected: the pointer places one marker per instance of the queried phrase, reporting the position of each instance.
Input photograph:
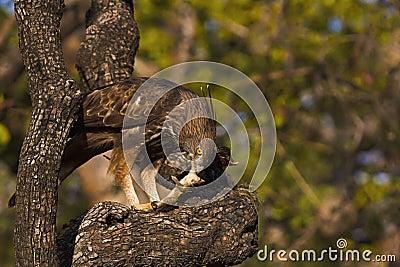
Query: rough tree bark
(221, 233)
(55, 100)
(107, 53)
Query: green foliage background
(330, 71)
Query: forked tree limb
(223, 232)
(107, 53)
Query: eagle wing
(101, 119)
(107, 106)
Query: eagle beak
(191, 156)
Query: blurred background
(330, 72)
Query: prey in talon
(222, 160)
(190, 180)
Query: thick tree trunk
(55, 100)
(110, 234)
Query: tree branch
(107, 54)
(55, 100)
(223, 232)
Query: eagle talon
(162, 206)
(155, 205)
(176, 181)
(148, 207)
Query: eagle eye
(199, 151)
